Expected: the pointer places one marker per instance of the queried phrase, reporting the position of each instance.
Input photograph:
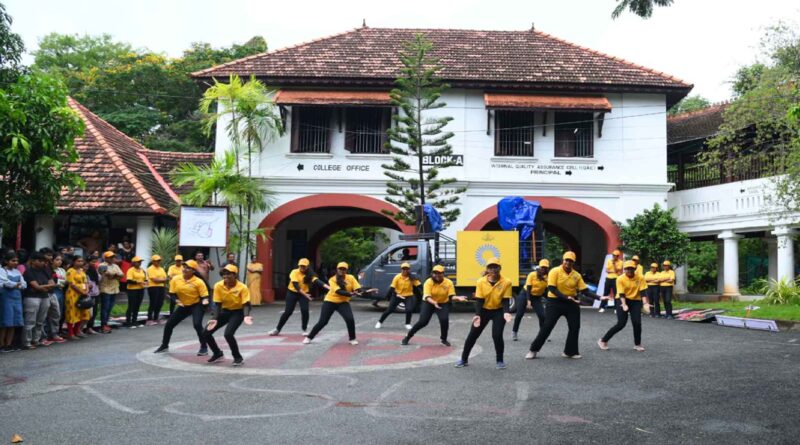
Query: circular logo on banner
(480, 253)
(327, 354)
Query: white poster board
(203, 227)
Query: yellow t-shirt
(439, 292)
(350, 285)
(631, 287)
(296, 275)
(139, 276)
(568, 284)
(612, 267)
(174, 271)
(156, 272)
(537, 287)
(231, 299)
(189, 291)
(404, 286)
(651, 276)
(493, 295)
(640, 270)
(667, 274)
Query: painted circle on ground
(328, 354)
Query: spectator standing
(36, 301)
(254, 272)
(77, 287)
(110, 275)
(137, 281)
(203, 266)
(55, 315)
(175, 270)
(11, 286)
(94, 291)
(157, 277)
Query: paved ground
(694, 384)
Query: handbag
(85, 302)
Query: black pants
(652, 296)
(665, 294)
(635, 311)
(522, 303)
(611, 284)
(554, 310)
(95, 312)
(328, 308)
(410, 302)
(498, 323)
(196, 311)
(156, 296)
(233, 319)
(135, 298)
(172, 300)
(425, 315)
(292, 298)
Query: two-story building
(582, 132)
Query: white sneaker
(601, 310)
(305, 333)
(275, 332)
(408, 327)
(602, 344)
(306, 341)
(530, 355)
(353, 342)
(378, 325)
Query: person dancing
(300, 282)
(232, 308)
(533, 292)
(438, 293)
(192, 295)
(343, 287)
(630, 286)
(402, 290)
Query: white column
(144, 237)
(720, 268)
(45, 231)
(681, 279)
(772, 257)
(785, 256)
(730, 283)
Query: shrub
(783, 292)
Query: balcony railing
(756, 166)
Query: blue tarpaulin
(515, 213)
(434, 218)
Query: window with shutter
(574, 135)
(311, 129)
(513, 134)
(366, 129)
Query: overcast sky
(700, 41)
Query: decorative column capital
(782, 231)
(729, 234)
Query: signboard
(203, 227)
(474, 248)
(456, 160)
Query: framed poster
(203, 227)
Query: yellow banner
(474, 248)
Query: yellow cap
(493, 261)
(136, 259)
(666, 263)
(108, 254)
(405, 266)
(629, 265)
(616, 252)
(438, 268)
(342, 265)
(654, 265)
(155, 258)
(569, 255)
(178, 258)
(544, 263)
(191, 264)
(231, 268)
(635, 258)
(303, 262)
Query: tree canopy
(654, 236)
(642, 8)
(689, 103)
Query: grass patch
(119, 309)
(737, 309)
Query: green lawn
(119, 309)
(737, 309)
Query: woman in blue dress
(11, 286)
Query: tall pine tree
(417, 134)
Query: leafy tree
(356, 246)
(415, 134)
(253, 121)
(690, 103)
(37, 133)
(701, 266)
(654, 236)
(75, 58)
(747, 78)
(642, 8)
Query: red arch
(320, 201)
(602, 220)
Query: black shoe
(670, 317)
(161, 349)
(238, 362)
(445, 342)
(514, 336)
(404, 342)
(202, 352)
(215, 357)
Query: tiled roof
(119, 176)
(523, 59)
(695, 125)
(166, 161)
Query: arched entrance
(326, 213)
(585, 229)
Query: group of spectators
(49, 297)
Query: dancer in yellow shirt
(629, 302)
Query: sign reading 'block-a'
(475, 248)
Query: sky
(700, 41)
